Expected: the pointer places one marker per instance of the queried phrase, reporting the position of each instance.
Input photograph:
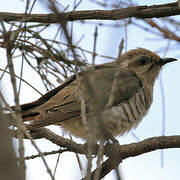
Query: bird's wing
(65, 104)
(100, 83)
(43, 99)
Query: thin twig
(46, 154)
(118, 175)
(94, 48)
(39, 151)
(10, 44)
(163, 99)
(79, 162)
(99, 160)
(81, 96)
(116, 77)
(23, 81)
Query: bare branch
(164, 10)
(115, 154)
(126, 151)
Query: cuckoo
(132, 97)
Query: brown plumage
(133, 96)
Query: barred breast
(119, 119)
(128, 114)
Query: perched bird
(133, 96)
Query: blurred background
(43, 72)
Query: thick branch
(148, 145)
(115, 153)
(58, 140)
(157, 11)
(136, 149)
(129, 150)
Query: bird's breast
(117, 120)
(128, 114)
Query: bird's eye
(143, 61)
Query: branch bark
(170, 9)
(126, 151)
(114, 153)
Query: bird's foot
(112, 143)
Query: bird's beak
(164, 61)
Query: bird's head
(144, 63)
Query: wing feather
(65, 104)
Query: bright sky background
(147, 166)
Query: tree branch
(170, 9)
(115, 153)
(126, 151)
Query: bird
(133, 95)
